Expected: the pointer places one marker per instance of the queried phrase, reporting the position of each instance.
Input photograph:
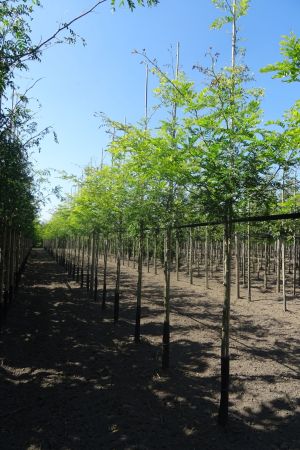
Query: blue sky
(105, 76)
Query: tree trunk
(237, 266)
(166, 327)
(177, 259)
(148, 256)
(278, 265)
(249, 265)
(191, 256)
(266, 266)
(294, 264)
(154, 254)
(104, 274)
(225, 358)
(82, 264)
(88, 264)
(137, 335)
(283, 274)
(244, 262)
(93, 259)
(96, 269)
(206, 258)
(133, 252)
(2, 271)
(117, 288)
(7, 268)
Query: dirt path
(71, 379)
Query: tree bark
(237, 267)
(137, 335)
(104, 293)
(117, 288)
(191, 256)
(249, 265)
(206, 258)
(225, 357)
(283, 274)
(166, 326)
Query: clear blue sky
(105, 76)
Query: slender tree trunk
(117, 288)
(266, 267)
(211, 260)
(2, 271)
(155, 254)
(244, 262)
(191, 255)
(283, 275)
(137, 335)
(7, 268)
(225, 357)
(133, 252)
(278, 265)
(104, 292)
(93, 259)
(166, 327)
(249, 265)
(12, 266)
(128, 252)
(82, 264)
(96, 261)
(294, 264)
(237, 266)
(177, 259)
(206, 258)
(148, 255)
(88, 264)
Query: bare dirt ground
(71, 379)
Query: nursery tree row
(211, 158)
(20, 190)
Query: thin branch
(21, 97)
(153, 63)
(32, 138)
(63, 27)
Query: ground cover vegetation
(211, 161)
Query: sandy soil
(71, 379)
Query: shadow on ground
(71, 379)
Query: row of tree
(210, 159)
(18, 133)
(21, 193)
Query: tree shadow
(71, 379)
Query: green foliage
(289, 68)
(38, 230)
(132, 3)
(210, 157)
(233, 9)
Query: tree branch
(63, 27)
